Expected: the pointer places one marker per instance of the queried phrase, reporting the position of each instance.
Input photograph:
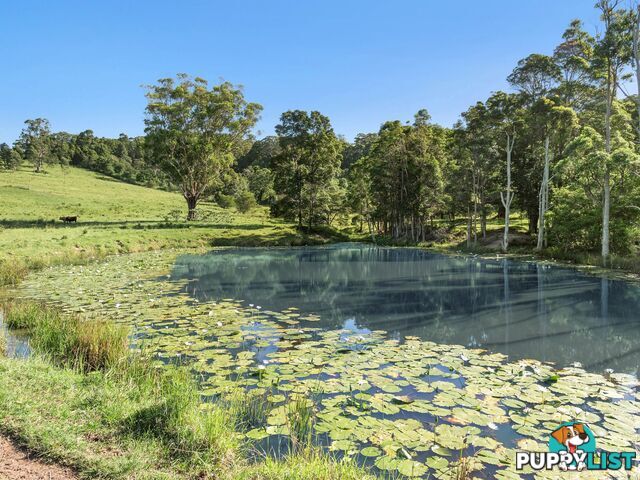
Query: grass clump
(301, 420)
(311, 464)
(195, 434)
(249, 408)
(12, 272)
(69, 340)
(21, 315)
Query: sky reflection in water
(524, 310)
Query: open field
(113, 217)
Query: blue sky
(81, 64)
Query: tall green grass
(13, 271)
(249, 408)
(311, 464)
(69, 340)
(301, 420)
(196, 435)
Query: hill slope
(114, 217)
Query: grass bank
(85, 402)
(451, 239)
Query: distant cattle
(69, 219)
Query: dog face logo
(571, 436)
(574, 438)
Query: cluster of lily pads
(404, 406)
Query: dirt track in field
(17, 464)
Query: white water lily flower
(266, 362)
(261, 367)
(464, 358)
(117, 305)
(211, 313)
(492, 426)
(219, 324)
(541, 388)
(609, 371)
(362, 381)
(251, 305)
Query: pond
(521, 309)
(413, 363)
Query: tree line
(124, 158)
(561, 147)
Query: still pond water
(524, 310)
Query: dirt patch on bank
(17, 464)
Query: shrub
(69, 340)
(12, 272)
(225, 201)
(245, 202)
(583, 232)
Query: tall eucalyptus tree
(194, 132)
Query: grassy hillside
(113, 217)
(28, 196)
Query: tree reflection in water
(522, 309)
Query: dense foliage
(194, 132)
(123, 158)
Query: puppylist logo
(572, 447)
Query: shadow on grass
(134, 224)
(155, 421)
(300, 237)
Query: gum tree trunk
(192, 202)
(606, 194)
(508, 197)
(544, 197)
(636, 61)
